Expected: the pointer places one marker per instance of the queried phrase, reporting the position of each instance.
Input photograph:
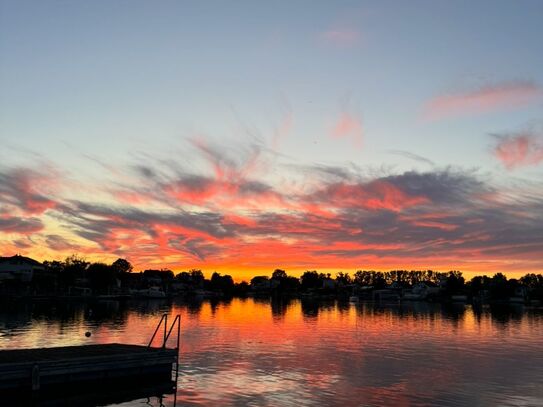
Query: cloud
(412, 156)
(348, 126)
(519, 150)
(233, 214)
(28, 190)
(341, 37)
(20, 225)
(488, 98)
(59, 243)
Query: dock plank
(83, 363)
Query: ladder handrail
(167, 333)
(163, 318)
(177, 320)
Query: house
(260, 283)
(328, 284)
(19, 268)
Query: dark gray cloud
(57, 242)
(22, 189)
(339, 212)
(20, 225)
(412, 156)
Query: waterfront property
(18, 268)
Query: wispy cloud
(412, 156)
(341, 37)
(28, 190)
(236, 216)
(484, 99)
(348, 126)
(10, 224)
(519, 150)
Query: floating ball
(87, 334)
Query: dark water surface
(298, 353)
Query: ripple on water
(243, 353)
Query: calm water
(297, 353)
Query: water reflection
(306, 352)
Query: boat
(151, 292)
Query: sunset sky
(246, 136)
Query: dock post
(35, 377)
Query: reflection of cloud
(482, 100)
(519, 150)
(357, 355)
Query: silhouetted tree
(260, 281)
(310, 280)
(343, 278)
(197, 277)
(101, 277)
(74, 268)
(279, 274)
(225, 284)
(499, 289)
(454, 282)
(122, 266)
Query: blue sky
(385, 87)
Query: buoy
(87, 334)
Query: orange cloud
(483, 100)
(242, 221)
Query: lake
(251, 352)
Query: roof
(18, 259)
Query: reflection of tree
(114, 313)
(504, 314)
(14, 318)
(310, 308)
(279, 306)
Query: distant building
(328, 284)
(19, 268)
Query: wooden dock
(73, 365)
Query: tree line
(101, 277)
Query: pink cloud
(341, 37)
(488, 98)
(348, 126)
(519, 150)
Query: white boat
(151, 292)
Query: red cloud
(519, 151)
(374, 195)
(485, 99)
(26, 190)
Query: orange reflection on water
(278, 352)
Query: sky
(245, 136)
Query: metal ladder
(167, 333)
(166, 336)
